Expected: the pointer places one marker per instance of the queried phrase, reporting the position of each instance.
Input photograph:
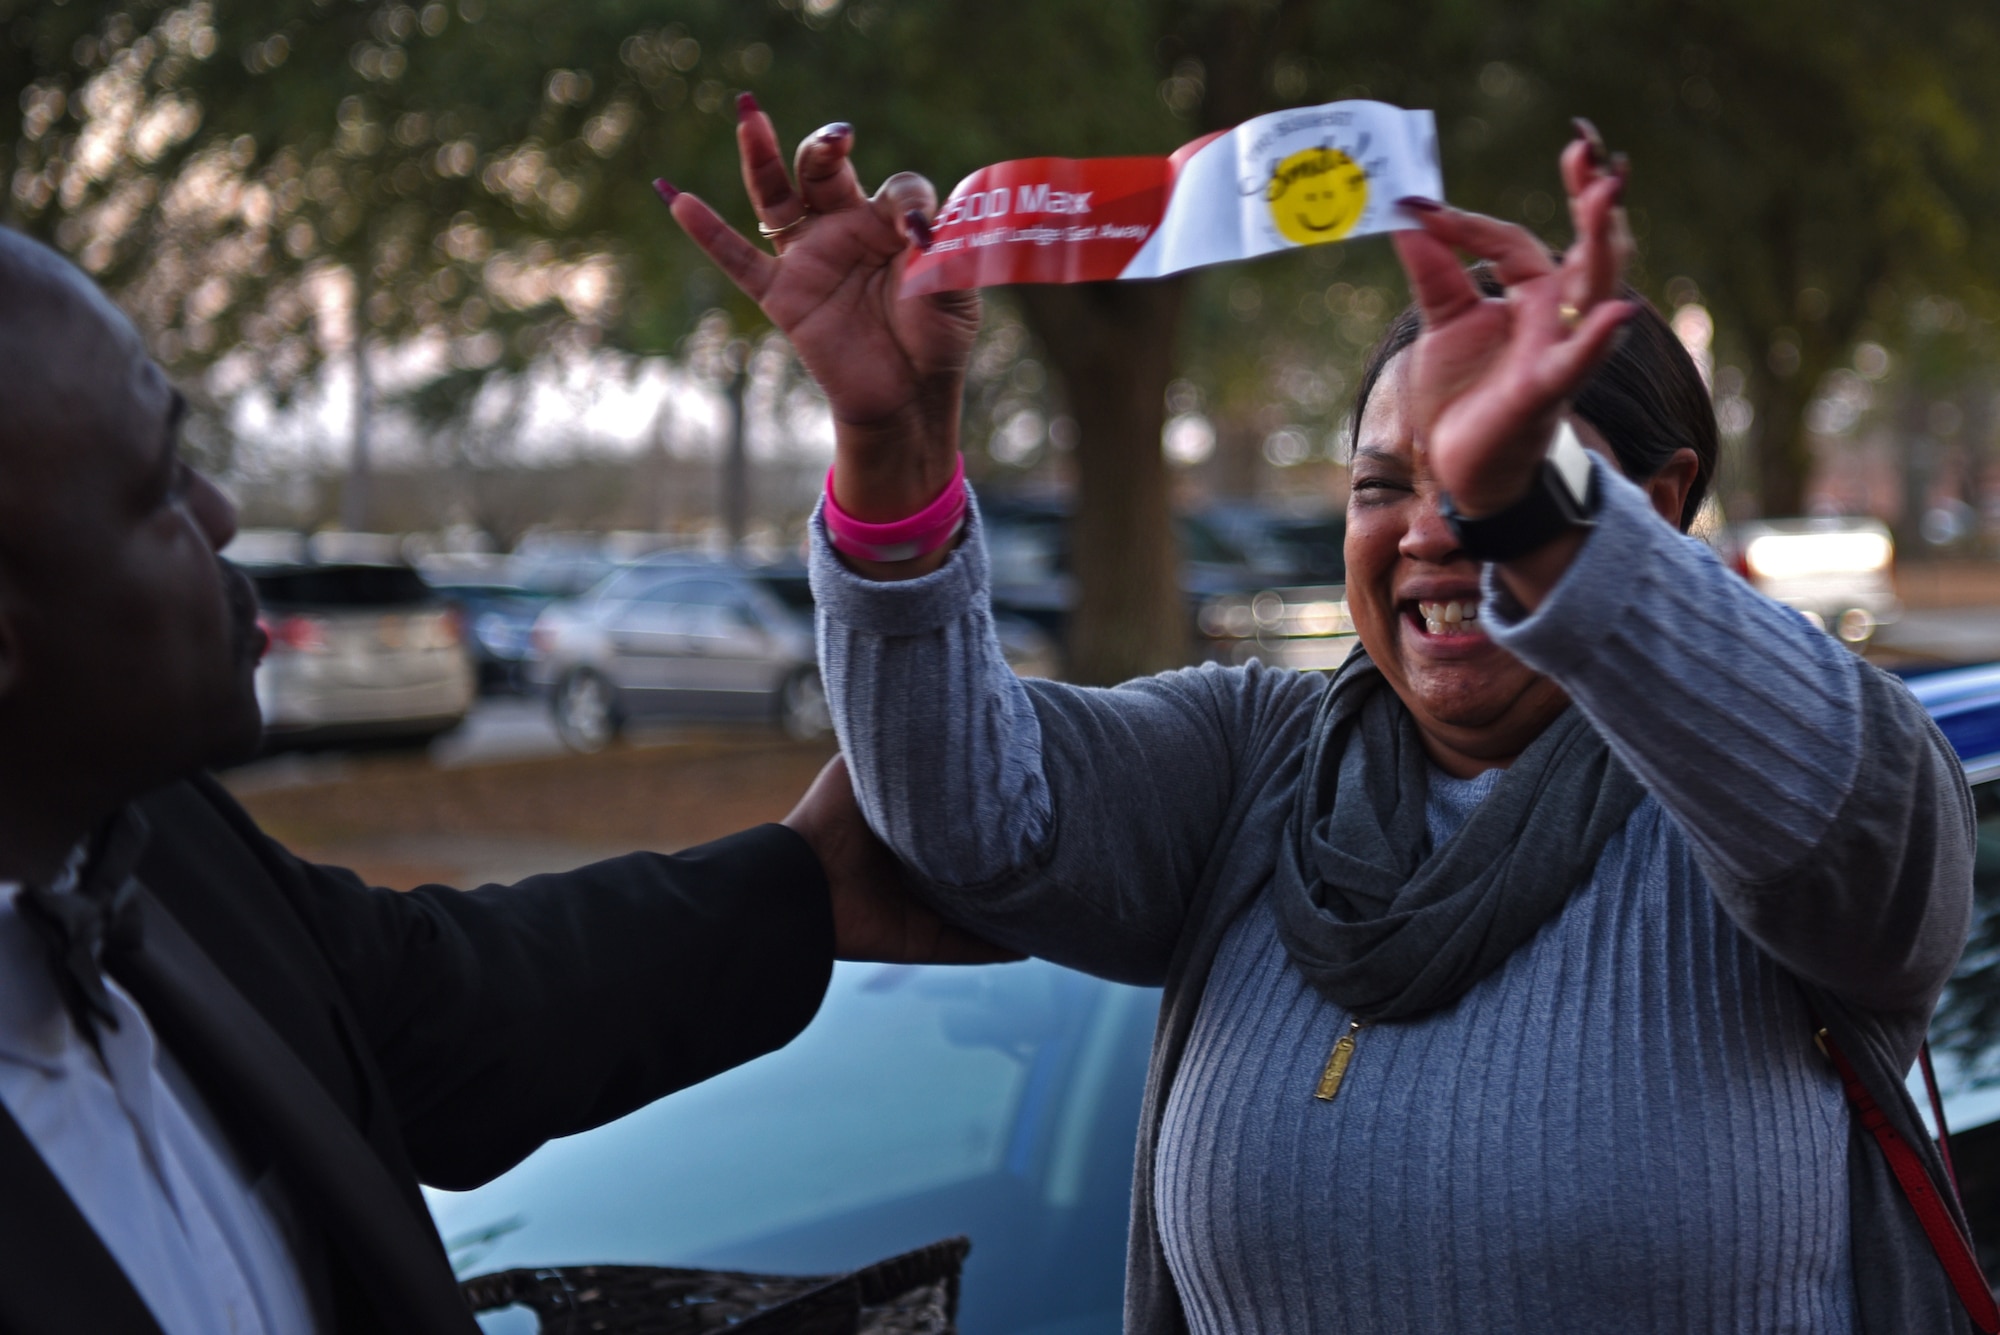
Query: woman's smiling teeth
(1450, 618)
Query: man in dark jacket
(223, 1070)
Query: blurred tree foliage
(1814, 166)
(474, 172)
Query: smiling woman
(1646, 402)
(1414, 592)
(1492, 963)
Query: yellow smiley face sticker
(1316, 195)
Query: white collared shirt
(144, 1163)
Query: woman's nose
(1429, 538)
(212, 510)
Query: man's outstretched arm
(504, 1016)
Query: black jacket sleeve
(507, 1015)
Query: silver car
(1307, 628)
(1836, 572)
(358, 653)
(679, 637)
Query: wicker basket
(912, 1294)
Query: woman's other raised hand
(892, 370)
(1491, 375)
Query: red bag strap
(1937, 1120)
(1953, 1250)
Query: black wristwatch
(1563, 497)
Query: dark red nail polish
(666, 190)
(920, 229)
(1419, 204)
(746, 106)
(1592, 140)
(836, 132)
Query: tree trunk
(736, 457)
(1784, 449)
(1113, 346)
(658, 469)
(1237, 453)
(1767, 284)
(1783, 457)
(355, 502)
(1920, 466)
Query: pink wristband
(904, 539)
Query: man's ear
(1668, 489)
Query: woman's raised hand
(892, 370)
(1491, 375)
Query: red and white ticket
(1292, 178)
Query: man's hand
(875, 916)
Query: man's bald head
(127, 646)
(31, 272)
(79, 378)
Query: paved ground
(1952, 582)
(501, 799)
(1943, 634)
(508, 729)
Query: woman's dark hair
(1647, 400)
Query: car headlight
(492, 630)
(1791, 555)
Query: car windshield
(463, 589)
(624, 586)
(998, 1102)
(1026, 547)
(558, 576)
(790, 588)
(1025, 550)
(1315, 547)
(1971, 1097)
(340, 586)
(1200, 542)
(642, 581)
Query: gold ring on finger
(770, 233)
(1571, 316)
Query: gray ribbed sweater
(1623, 1128)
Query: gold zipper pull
(1337, 1060)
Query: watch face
(1558, 502)
(1571, 462)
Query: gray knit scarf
(1388, 928)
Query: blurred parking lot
(502, 798)
(1951, 615)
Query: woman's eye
(1378, 488)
